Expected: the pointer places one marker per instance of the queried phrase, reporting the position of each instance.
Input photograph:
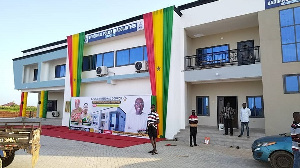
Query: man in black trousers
(193, 120)
(228, 115)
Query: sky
(28, 24)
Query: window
(60, 71)
(290, 34)
(255, 104)
(213, 55)
(202, 103)
(52, 105)
(131, 55)
(86, 62)
(35, 73)
(105, 59)
(291, 84)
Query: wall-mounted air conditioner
(101, 70)
(141, 66)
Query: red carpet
(103, 139)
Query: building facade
(221, 51)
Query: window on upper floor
(202, 105)
(89, 63)
(60, 71)
(212, 55)
(291, 83)
(105, 59)
(35, 74)
(131, 55)
(255, 104)
(290, 34)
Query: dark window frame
(284, 84)
(262, 106)
(53, 108)
(197, 106)
(59, 71)
(143, 49)
(35, 74)
(212, 47)
(295, 36)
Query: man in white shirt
(244, 113)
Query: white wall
(29, 73)
(220, 10)
(59, 96)
(52, 65)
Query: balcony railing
(244, 56)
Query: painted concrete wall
(239, 89)
(278, 106)
(52, 64)
(59, 96)
(219, 10)
(29, 73)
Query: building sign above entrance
(275, 3)
(115, 31)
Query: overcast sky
(31, 23)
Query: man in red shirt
(193, 120)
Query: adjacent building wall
(239, 89)
(278, 106)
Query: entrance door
(222, 101)
(245, 52)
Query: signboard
(115, 31)
(126, 114)
(276, 3)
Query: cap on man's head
(153, 105)
(244, 103)
(193, 111)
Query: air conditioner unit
(101, 71)
(141, 66)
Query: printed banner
(276, 3)
(127, 114)
(116, 31)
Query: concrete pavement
(57, 153)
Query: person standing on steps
(245, 113)
(228, 115)
(193, 120)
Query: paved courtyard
(58, 153)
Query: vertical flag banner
(21, 105)
(42, 104)
(158, 34)
(75, 56)
(24, 104)
(45, 102)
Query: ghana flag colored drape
(158, 33)
(75, 56)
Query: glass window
(52, 105)
(212, 55)
(202, 105)
(60, 71)
(86, 63)
(289, 53)
(290, 34)
(99, 58)
(287, 35)
(122, 57)
(35, 73)
(286, 17)
(297, 15)
(93, 62)
(291, 83)
(136, 54)
(108, 59)
(255, 104)
(145, 54)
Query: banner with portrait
(120, 114)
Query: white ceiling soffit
(224, 25)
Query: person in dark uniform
(193, 120)
(228, 115)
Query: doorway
(222, 101)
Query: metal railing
(244, 56)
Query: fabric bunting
(158, 34)
(75, 56)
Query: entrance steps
(217, 138)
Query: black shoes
(191, 145)
(240, 136)
(195, 145)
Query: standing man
(228, 115)
(193, 120)
(245, 113)
(153, 120)
(295, 134)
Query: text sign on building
(115, 31)
(275, 3)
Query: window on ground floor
(52, 105)
(291, 83)
(202, 105)
(255, 104)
